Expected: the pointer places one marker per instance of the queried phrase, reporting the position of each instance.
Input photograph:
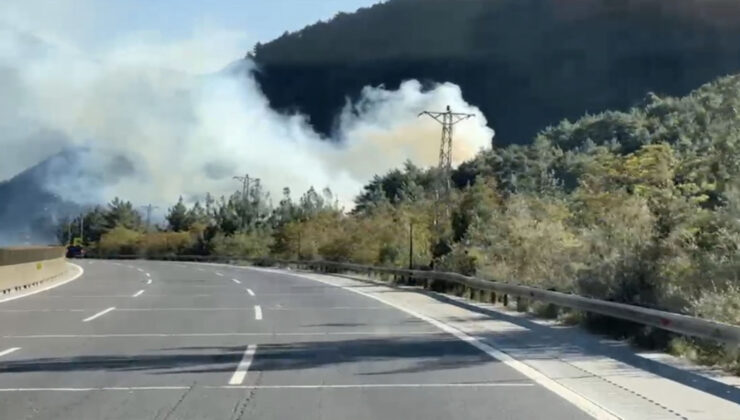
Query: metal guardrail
(669, 321)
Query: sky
(100, 24)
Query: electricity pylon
(448, 119)
(245, 185)
(149, 208)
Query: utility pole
(82, 228)
(149, 207)
(411, 245)
(448, 119)
(299, 245)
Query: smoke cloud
(153, 120)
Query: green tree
(178, 217)
(122, 214)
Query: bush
(249, 245)
(119, 241)
(528, 242)
(616, 233)
(160, 244)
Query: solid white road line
(251, 293)
(257, 312)
(138, 293)
(80, 272)
(8, 351)
(101, 313)
(231, 334)
(241, 369)
(236, 281)
(219, 274)
(278, 387)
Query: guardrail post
(521, 304)
(505, 300)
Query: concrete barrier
(26, 267)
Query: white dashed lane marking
(241, 370)
(257, 312)
(8, 351)
(99, 314)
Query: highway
(168, 340)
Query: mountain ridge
(526, 63)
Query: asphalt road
(194, 341)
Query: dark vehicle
(75, 251)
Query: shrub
(165, 243)
(250, 245)
(119, 241)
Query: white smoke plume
(159, 119)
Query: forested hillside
(28, 211)
(526, 63)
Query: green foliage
(478, 204)
(121, 213)
(119, 241)
(244, 244)
(178, 217)
(157, 244)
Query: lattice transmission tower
(448, 119)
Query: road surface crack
(243, 403)
(179, 401)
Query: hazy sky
(261, 19)
(99, 26)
